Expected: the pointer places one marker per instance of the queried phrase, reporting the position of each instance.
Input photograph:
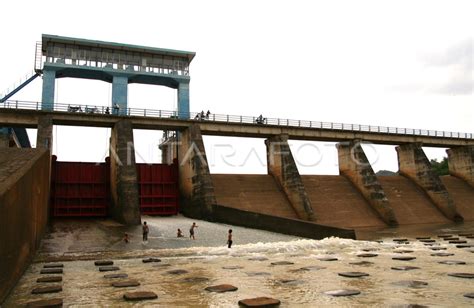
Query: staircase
(13, 90)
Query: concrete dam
(33, 189)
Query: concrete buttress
(414, 164)
(282, 167)
(123, 175)
(195, 184)
(354, 165)
(461, 163)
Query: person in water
(145, 231)
(191, 231)
(229, 239)
(126, 239)
(180, 233)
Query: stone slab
(125, 284)
(403, 251)
(53, 265)
(442, 254)
(259, 274)
(103, 262)
(353, 274)
(465, 246)
(149, 260)
(452, 262)
(108, 268)
(362, 263)
(221, 288)
(458, 242)
(52, 271)
(232, 267)
(404, 268)
(427, 241)
(258, 259)
(49, 289)
(138, 296)
(282, 263)
(53, 302)
(50, 279)
(469, 295)
(462, 275)
(404, 258)
(112, 276)
(438, 248)
(195, 279)
(259, 302)
(327, 259)
(342, 292)
(177, 272)
(367, 255)
(411, 283)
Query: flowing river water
(187, 267)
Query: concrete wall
(354, 165)
(282, 167)
(277, 224)
(461, 163)
(195, 182)
(23, 210)
(125, 206)
(414, 164)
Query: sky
(390, 63)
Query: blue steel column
(49, 78)
(120, 95)
(183, 100)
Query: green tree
(441, 168)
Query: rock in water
(125, 283)
(342, 292)
(50, 279)
(221, 288)
(259, 302)
(53, 302)
(108, 268)
(138, 296)
(50, 289)
(353, 274)
(104, 262)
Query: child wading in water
(229, 238)
(191, 231)
(180, 233)
(145, 232)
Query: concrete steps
(337, 202)
(410, 204)
(462, 194)
(252, 192)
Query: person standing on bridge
(145, 232)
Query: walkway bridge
(26, 114)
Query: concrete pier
(195, 183)
(4, 138)
(461, 163)
(123, 175)
(354, 165)
(282, 167)
(414, 164)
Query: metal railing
(225, 118)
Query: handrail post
(144, 112)
(240, 119)
(227, 118)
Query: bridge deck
(26, 114)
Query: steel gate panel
(79, 189)
(158, 189)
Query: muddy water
(248, 267)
